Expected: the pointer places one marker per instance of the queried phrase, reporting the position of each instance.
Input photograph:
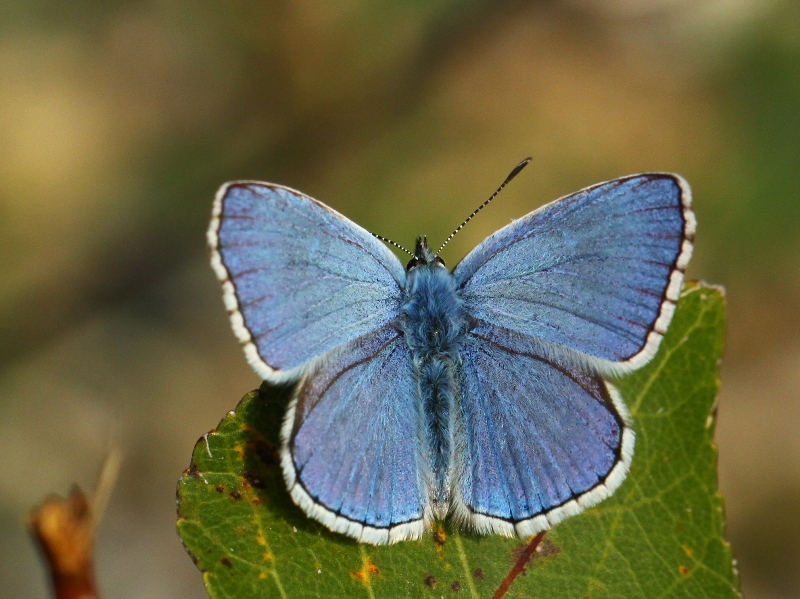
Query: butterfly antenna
(511, 175)
(394, 243)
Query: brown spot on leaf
(226, 562)
(359, 575)
(235, 495)
(253, 479)
(266, 453)
(521, 555)
(546, 548)
(439, 536)
(430, 581)
(256, 501)
(519, 551)
(478, 574)
(683, 570)
(193, 471)
(369, 569)
(220, 489)
(687, 550)
(455, 587)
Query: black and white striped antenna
(511, 175)
(394, 243)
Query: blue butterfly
(480, 393)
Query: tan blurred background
(118, 121)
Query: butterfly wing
(299, 278)
(352, 451)
(598, 272)
(538, 441)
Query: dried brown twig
(64, 530)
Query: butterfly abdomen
(434, 324)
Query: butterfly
(481, 393)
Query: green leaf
(660, 535)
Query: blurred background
(119, 120)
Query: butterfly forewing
(299, 278)
(597, 272)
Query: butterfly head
(423, 256)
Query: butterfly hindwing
(538, 441)
(598, 272)
(299, 278)
(352, 450)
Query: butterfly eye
(412, 263)
(439, 261)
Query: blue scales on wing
(597, 272)
(551, 304)
(538, 441)
(299, 278)
(353, 455)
